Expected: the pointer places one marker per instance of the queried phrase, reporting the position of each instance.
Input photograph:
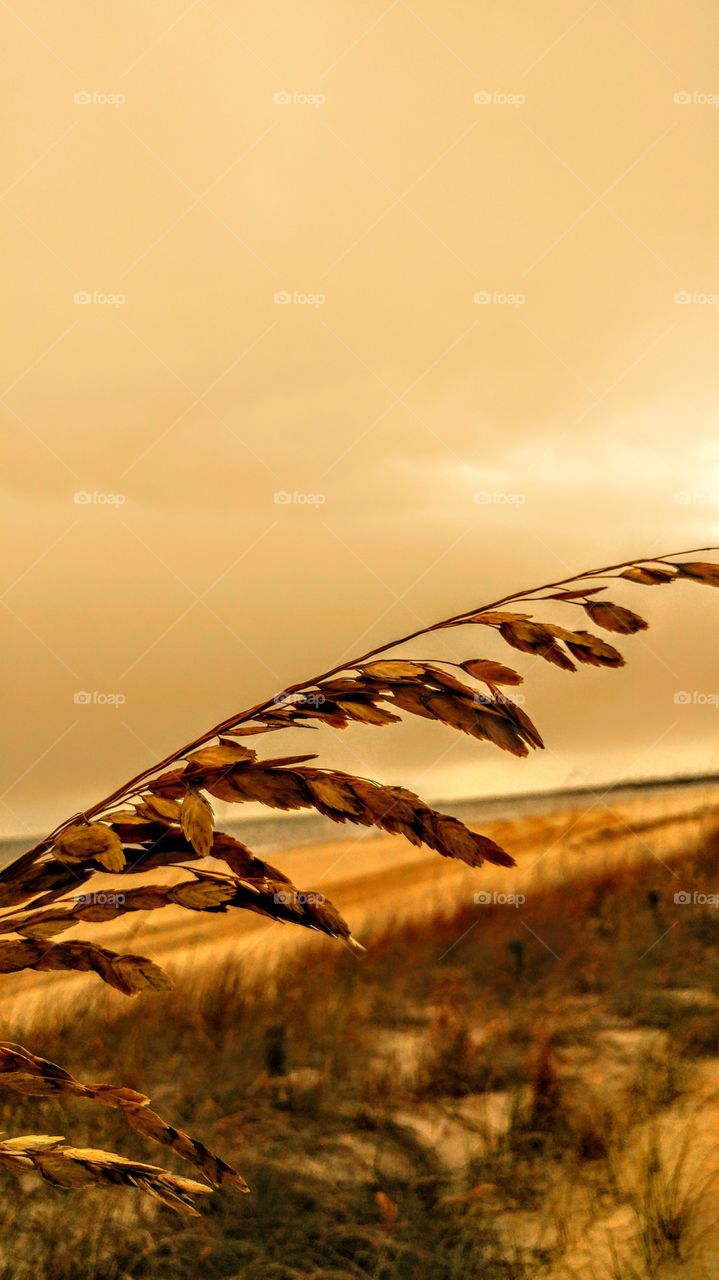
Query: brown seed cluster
(164, 818)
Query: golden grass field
(492, 1090)
(379, 880)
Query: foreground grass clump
(465, 1099)
(162, 820)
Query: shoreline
(383, 880)
(262, 831)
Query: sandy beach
(374, 880)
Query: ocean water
(270, 835)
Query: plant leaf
(533, 637)
(198, 822)
(492, 672)
(700, 571)
(393, 669)
(647, 576)
(613, 617)
(127, 973)
(90, 840)
(159, 808)
(221, 754)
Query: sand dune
(373, 880)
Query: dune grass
(319, 1085)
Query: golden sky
(495, 224)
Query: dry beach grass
(500, 1091)
(163, 819)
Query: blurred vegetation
(577, 1016)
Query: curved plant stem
(135, 784)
